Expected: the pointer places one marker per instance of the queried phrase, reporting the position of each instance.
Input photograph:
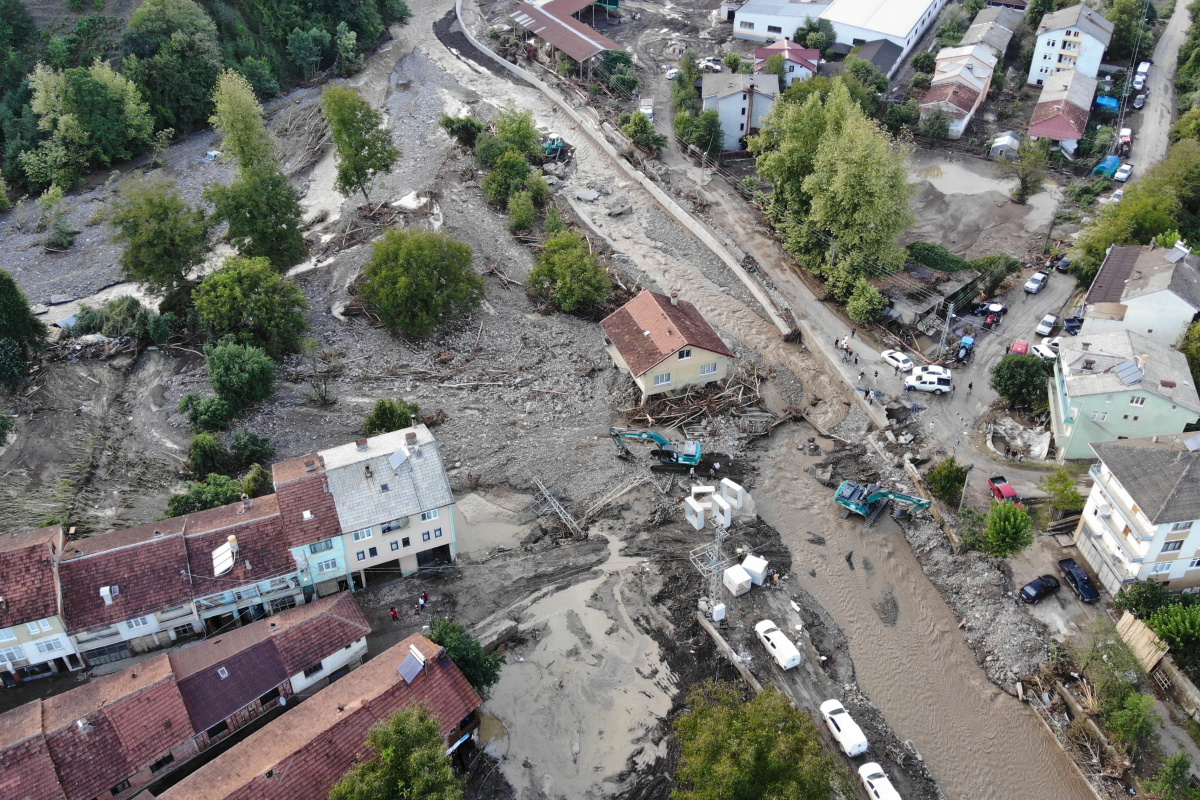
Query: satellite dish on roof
(397, 458)
(223, 558)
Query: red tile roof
(339, 621)
(310, 492)
(789, 50)
(27, 580)
(130, 719)
(954, 94)
(263, 551)
(286, 761)
(26, 771)
(213, 694)
(152, 576)
(1058, 120)
(648, 329)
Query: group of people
(843, 344)
(1013, 455)
(422, 599)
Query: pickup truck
(1079, 581)
(1002, 490)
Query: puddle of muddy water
(481, 525)
(909, 655)
(588, 694)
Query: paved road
(1154, 126)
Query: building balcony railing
(91, 637)
(1136, 525)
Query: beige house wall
(684, 372)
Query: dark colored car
(990, 309)
(1063, 264)
(1079, 581)
(1038, 588)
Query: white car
(1036, 282)
(711, 64)
(877, 783)
(1124, 172)
(1052, 343)
(778, 645)
(1047, 325)
(928, 383)
(1043, 352)
(844, 729)
(1116, 196)
(673, 73)
(933, 369)
(897, 360)
(1139, 83)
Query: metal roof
(563, 32)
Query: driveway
(1154, 126)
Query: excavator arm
(687, 454)
(918, 503)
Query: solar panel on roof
(410, 668)
(1129, 372)
(397, 458)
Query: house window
(373, 552)
(1099, 416)
(1137, 401)
(791, 68)
(137, 622)
(1124, 416)
(774, 29)
(313, 670)
(1160, 568)
(49, 646)
(33, 628)
(1173, 547)
(394, 525)
(662, 380)
(120, 787)
(14, 653)
(219, 729)
(746, 26)
(425, 536)
(321, 547)
(281, 604)
(1108, 399)
(1135, 419)
(1195, 562)
(428, 515)
(365, 533)
(6, 635)
(1182, 526)
(406, 542)
(162, 763)
(685, 354)
(361, 555)
(395, 545)
(437, 533)
(183, 630)
(327, 566)
(708, 369)
(742, 127)
(743, 111)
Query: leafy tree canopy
(248, 300)
(1021, 380)
(164, 237)
(389, 415)
(1144, 599)
(216, 490)
(1009, 530)
(238, 115)
(408, 761)
(946, 480)
(240, 375)
(569, 274)
(17, 321)
(263, 212)
(480, 669)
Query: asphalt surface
(1152, 124)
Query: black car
(1038, 588)
(1079, 581)
(1063, 264)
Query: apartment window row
(12, 654)
(405, 542)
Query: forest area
(84, 95)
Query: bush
(488, 150)
(946, 481)
(240, 375)
(415, 278)
(206, 455)
(206, 413)
(1060, 488)
(867, 303)
(925, 62)
(125, 317)
(481, 670)
(935, 126)
(257, 481)
(568, 274)
(517, 130)
(6, 426)
(506, 178)
(248, 300)
(523, 214)
(248, 448)
(921, 81)
(216, 490)
(390, 415)
(1009, 530)
(1021, 380)
(1144, 599)
(936, 257)
(640, 131)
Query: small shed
(756, 567)
(736, 580)
(1005, 145)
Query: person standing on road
(875, 381)
(395, 614)
(852, 332)
(970, 386)
(1020, 458)
(862, 373)
(420, 605)
(897, 371)
(953, 389)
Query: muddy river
(980, 743)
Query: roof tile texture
(669, 328)
(152, 577)
(27, 580)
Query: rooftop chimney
(245, 500)
(1085, 345)
(310, 465)
(674, 298)
(362, 444)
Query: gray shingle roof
(1086, 19)
(1162, 477)
(1165, 370)
(416, 483)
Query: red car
(1002, 490)
(1019, 348)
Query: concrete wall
(352, 655)
(1162, 316)
(684, 372)
(773, 27)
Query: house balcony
(1138, 535)
(99, 637)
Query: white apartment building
(1074, 38)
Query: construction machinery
(869, 501)
(671, 457)
(552, 145)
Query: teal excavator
(671, 457)
(869, 501)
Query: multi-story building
(1072, 38)
(1153, 291)
(1062, 110)
(33, 637)
(1142, 517)
(742, 102)
(771, 20)
(901, 22)
(1117, 385)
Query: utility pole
(946, 330)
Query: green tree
(1029, 168)
(415, 279)
(924, 61)
(173, 56)
(345, 44)
(1061, 492)
(17, 320)
(735, 749)
(249, 301)
(867, 303)
(240, 375)
(523, 214)
(408, 760)
(480, 669)
(389, 415)
(216, 490)
(776, 65)
(701, 130)
(1144, 599)
(464, 130)
(206, 455)
(304, 48)
(6, 422)
(1008, 531)
(257, 481)
(517, 130)
(1189, 345)
(1129, 34)
(935, 125)
(867, 74)
(164, 237)
(257, 72)
(1178, 624)
(1021, 380)
(640, 131)
(946, 480)
(13, 367)
(264, 216)
(568, 273)
(364, 146)
(1173, 781)
(733, 62)
(238, 115)
(247, 448)
(817, 33)
(1135, 722)
(506, 178)
(206, 413)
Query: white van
(781, 648)
(929, 382)
(849, 736)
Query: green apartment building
(1117, 385)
